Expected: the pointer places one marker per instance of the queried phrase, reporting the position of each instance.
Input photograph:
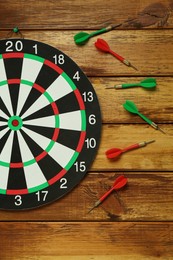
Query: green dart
(132, 108)
(148, 83)
(82, 37)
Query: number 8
(61, 59)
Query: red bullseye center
(15, 122)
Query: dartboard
(50, 124)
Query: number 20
(17, 46)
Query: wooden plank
(156, 104)
(151, 51)
(154, 157)
(147, 197)
(76, 14)
(131, 240)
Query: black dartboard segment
(50, 124)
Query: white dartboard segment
(47, 121)
(5, 154)
(3, 115)
(26, 153)
(60, 153)
(30, 69)
(5, 157)
(71, 121)
(33, 174)
(24, 91)
(41, 140)
(2, 71)
(59, 88)
(5, 95)
(2, 123)
(3, 132)
(4, 174)
(40, 103)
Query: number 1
(35, 48)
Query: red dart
(115, 152)
(119, 183)
(102, 45)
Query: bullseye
(15, 122)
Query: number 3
(18, 200)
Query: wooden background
(136, 222)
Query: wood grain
(156, 156)
(155, 104)
(150, 51)
(79, 15)
(147, 197)
(62, 240)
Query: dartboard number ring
(50, 124)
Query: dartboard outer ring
(50, 124)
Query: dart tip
(95, 205)
(115, 26)
(128, 63)
(115, 87)
(150, 141)
(133, 67)
(110, 87)
(154, 125)
(91, 209)
(161, 130)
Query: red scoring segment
(16, 192)
(79, 98)
(39, 88)
(53, 66)
(13, 55)
(81, 141)
(16, 165)
(13, 81)
(57, 177)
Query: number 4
(76, 76)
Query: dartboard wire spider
(15, 31)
